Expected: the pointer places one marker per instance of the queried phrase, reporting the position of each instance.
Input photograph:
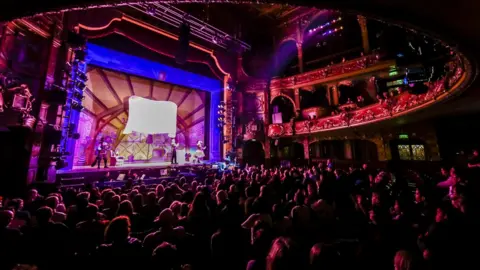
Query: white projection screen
(151, 117)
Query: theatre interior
(255, 83)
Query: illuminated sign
(403, 136)
(395, 83)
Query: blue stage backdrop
(117, 61)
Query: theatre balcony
(361, 91)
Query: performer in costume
(101, 152)
(200, 154)
(174, 152)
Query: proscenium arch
(450, 27)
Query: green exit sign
(403, 136)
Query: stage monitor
(151, 117)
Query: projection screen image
(151, 117)
(138, 116)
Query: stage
(150, 171)
(127, 167)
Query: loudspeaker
(184, 40)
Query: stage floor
(127, 166)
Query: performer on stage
(200, 154)
(174, 152)
(101, 153)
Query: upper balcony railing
(390, 108)
(347, 68)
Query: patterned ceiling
(107, 93)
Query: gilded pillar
(300, 56)
(227, 128)
(432, 150)
(297, 98)
(362, 21)
(299, 39)
(334, 95)
(383, 148)
(329, 96)
(306, 148)
(39, 165)
(348, 149)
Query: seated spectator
(120, 251)
(53, 202)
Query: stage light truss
(176, 17)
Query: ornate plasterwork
(393, 107)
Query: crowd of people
(316, 217)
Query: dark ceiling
(453, 22)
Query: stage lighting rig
(175, 17)
(80, 85)
(81, 76)
(77, 106)
(78, 96)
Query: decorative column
(362, 21)
(348, 149)
(329, 96)
(40, 167)
(383, 148)
(297, 98)
(227, 129)
(299, 39)
(306, 148)
(266, 121)
(300, 56)
(332, 94)
(432, 150)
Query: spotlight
(215, 40)
(78, 95)
(80, 85)
(76, 106)
(81, 76)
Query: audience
(252, 218)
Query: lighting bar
(333, 31)
(313, 30)
(175, 17)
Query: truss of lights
(333, 31)
(175, 17)
(313, 30)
